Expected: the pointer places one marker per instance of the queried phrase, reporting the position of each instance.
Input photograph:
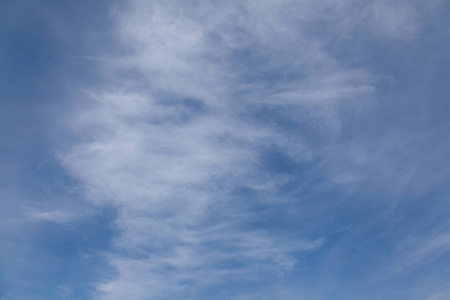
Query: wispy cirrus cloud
(179, 131)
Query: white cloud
(168, 148)
(56, 216)
(438, 297)
(418, 250)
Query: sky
(224, 150)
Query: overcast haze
(225, 150)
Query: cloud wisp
(180, 130)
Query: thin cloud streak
(169, 145)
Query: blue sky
(225, 150)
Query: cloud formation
(176, 139)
